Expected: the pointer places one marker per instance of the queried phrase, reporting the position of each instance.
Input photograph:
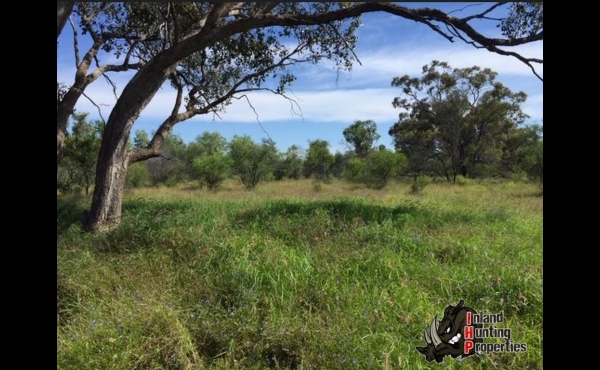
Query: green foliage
(318, 160)
(137, 175)
(80, 154)
(362, 135)
(524, 19)
(250, 161)
(211, 169)
(456, 121)
(356, 170)
(290, 164)
(207, 144)
(173, 166)
(419, 184)
(462, 181)
(141, 139)
(376, 169)
(340, 162)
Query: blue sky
(388, 46)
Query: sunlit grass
(295, 277)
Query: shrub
(419, 184)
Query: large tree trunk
(113, 159)
(108, 193)
(63, 11)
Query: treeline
(210, 159)
(453, 124)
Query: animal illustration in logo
(448, 339)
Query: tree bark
(63, 11)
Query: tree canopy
(455, 120)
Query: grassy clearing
(293, 277)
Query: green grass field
(295, 275)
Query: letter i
(468, 318)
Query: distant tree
(80, 154)
(211, 169)
(361, 135)
(209, 163)
(455, 120)
(293, 162)
(171, 167)
(318, 160)
(252, 162)
(523, 152)
(208, 143)
(138, 175)
(340, 162)
(141, 139)
(376, 169)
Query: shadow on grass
(69, 210)
(341, 210)
(348, 213)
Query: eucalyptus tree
(361, 135)
(457, 119)
(318, 159)
(250, 161)
(214, 52)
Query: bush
(419, 184)
(137, 175)
(462, 181)
(211, 170)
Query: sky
(329, 100)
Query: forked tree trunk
(113, 160)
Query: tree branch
(96, 105)
(75, 43)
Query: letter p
(468, 346)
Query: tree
(318, 160)
(141, 139)
(252, 162)
(455, 120)
(292, 163)
(523, 153)
(209, 162)
(361, 135)
(81, 154)
(211, 169)
(376, 169)
(172, 166)
(216, 52)
(63, 10)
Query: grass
(287, 277)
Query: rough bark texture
(113, 160)
(63, 11)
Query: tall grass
(286, 277)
